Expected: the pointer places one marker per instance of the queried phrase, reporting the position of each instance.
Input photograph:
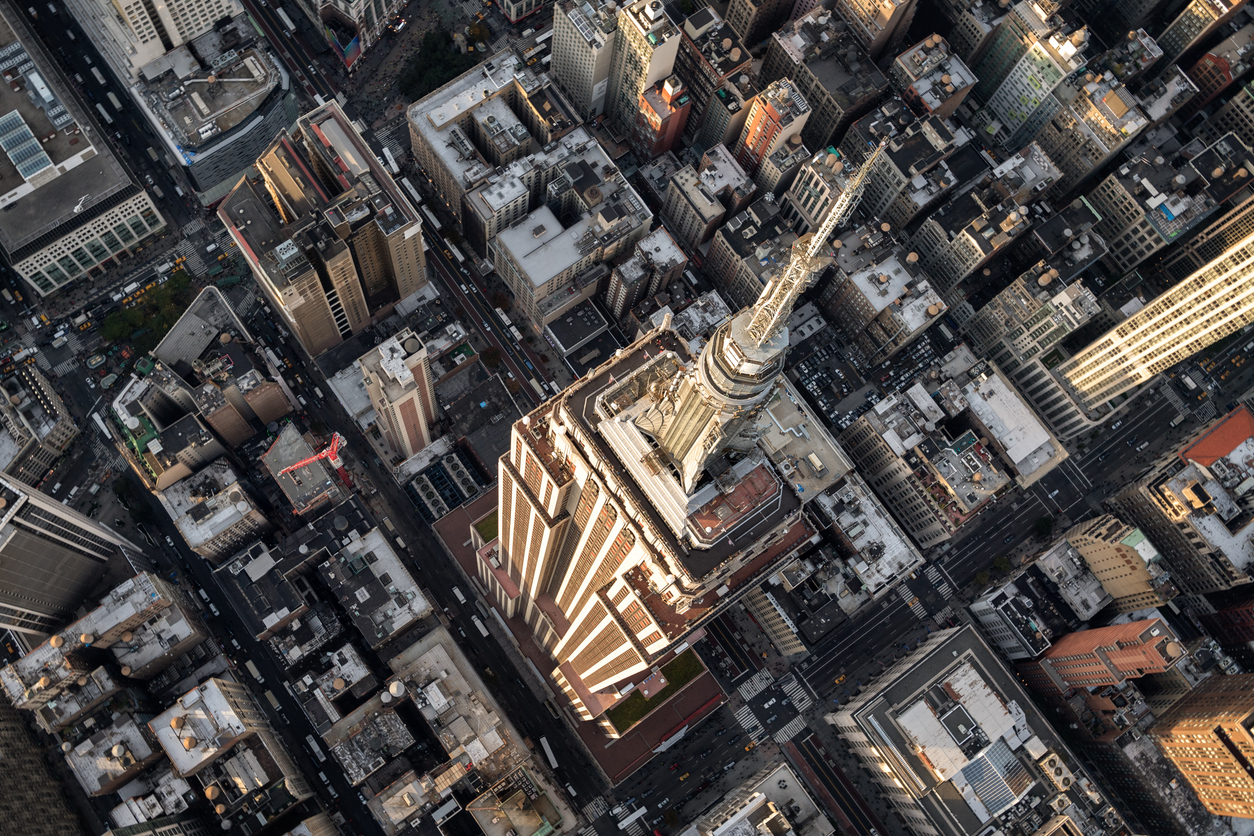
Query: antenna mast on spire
(776, 302)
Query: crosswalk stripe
(595, 808)
(789, 731)
(758, 683)
(796, 692)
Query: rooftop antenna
(775, 303)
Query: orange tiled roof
(1221, 439)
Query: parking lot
(827, 369)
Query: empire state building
(654, 491)
(648, 495)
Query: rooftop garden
(487, 527)
(678, 672)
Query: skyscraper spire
(718, 402)
(775, 304)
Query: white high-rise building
(644, 54)
(1214, 302)
(133, 34)
(583, 44)
(638, 503)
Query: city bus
(391, 161)
(113, 100)
(431, 219)
(548, 751)
(96, 72)
(104, 114)
(413, 193)
(287, 21)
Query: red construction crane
(331, 454)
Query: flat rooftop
(347, 674)
(956, 725)
(307, 486)
(462, 713)
(198, 727)
(799, 444)
(93, 759)
(46, 151)
(206, 319)
(884, 553)
(258, 585)
(211, 84)
(1078, 587)
(364, 741)
(542, 247)
(439, 116)
(1027, 444)
(103, 626)
(374, 587)
(576, 327)
(822, 41)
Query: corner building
(1207, 736)
(329, 236)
